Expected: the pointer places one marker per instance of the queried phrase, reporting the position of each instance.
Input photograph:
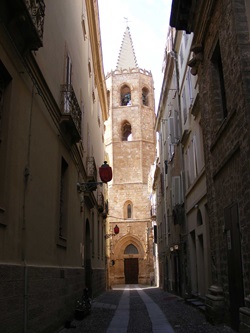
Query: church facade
(130, 148)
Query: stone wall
(42, 298)
(226, 138)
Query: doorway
(131, 270)
(88, 270)
(235, 276)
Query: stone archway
(130, 262)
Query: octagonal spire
(126, 57)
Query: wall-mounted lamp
(105, 172)
(116, 232)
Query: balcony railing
(24, 21)
(153, 211)
(36, 9)
(100, 201)
(71, 112)
(91, 169)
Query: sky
(148, 21)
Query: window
(68, 77)
(189, 79)
(184, 105)
(181, 55)
(219, 80)
(145, 93)
(131, 249)
(68, 70)
(128, 210)
(125, 96)
(126, 131)
(63, 199)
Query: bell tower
(130, 146)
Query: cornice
(96, 47)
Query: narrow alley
(137, 308)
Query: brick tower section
(130, 254)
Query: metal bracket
(88, 187)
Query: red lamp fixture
(116, 229)
(116, 232)
(105, 172)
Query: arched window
(125, 95)
(126, 131)
(131, 249)
(128, 210)
(145, 94)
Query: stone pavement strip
(143, 309)
(120, 320)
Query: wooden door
(131, 270)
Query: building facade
(130, 147)
(220, 61)
(52, 108)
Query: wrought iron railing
(91, 168)
(100, 201)
(36, 9)
(70, 105)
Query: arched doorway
(88, 270)
(129, 271)
(131, 266)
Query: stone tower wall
(131, 161)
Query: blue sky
(148, 21)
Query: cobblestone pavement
(182, 317)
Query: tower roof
(126, 57)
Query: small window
(145, 93)
(125, 96)
(126, 131)
(128, 210)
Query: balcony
(71, 115)
(24, 21)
